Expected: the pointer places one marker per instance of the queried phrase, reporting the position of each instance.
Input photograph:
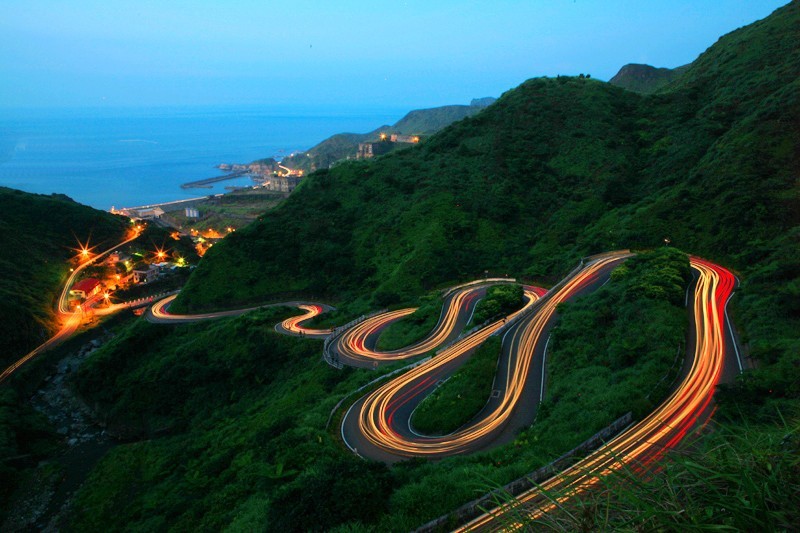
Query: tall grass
(738, 478)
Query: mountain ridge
(556, 169)
(416, 122)
(645, 79)
(584, 144)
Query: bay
(136, 156)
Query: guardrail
(330, 356)
(374, 381)
(145, 300)
(449, 291)
(475, 508)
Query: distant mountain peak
(486, 101)
(643, 78)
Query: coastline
(88, 154)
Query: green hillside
(556, 169)
(38, 235)
(332, 149)
(426, 121)
(644, 78)
(416, 122)
(233, 418)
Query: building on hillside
(373, 149)
(281, 183)
(116, 257)
(192, 212)
(413, 139)
(150, 213)
(147, 275)
(85, 288)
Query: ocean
(132, 157)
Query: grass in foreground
(739, 478)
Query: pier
(206, 183)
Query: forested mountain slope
(645, 79)
(415, 122)
(556, 169)
(234, 417)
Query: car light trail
(159, 313)
(352, 343)
(69, 320)
(376, 421)
(292, 324)
(657, 433)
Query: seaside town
(130, 274)
(206, 219)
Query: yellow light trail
(69, 320)
(658, 432)
(352, 343)
(159, 313)
(292, 324)
(375, 415)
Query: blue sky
(69, 53)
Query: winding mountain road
(712, 357)
(356, 346)
(378, 425)
(159, 313)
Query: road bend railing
(328, 353)
(451, 290)
(478, 507)
(147, 300)
(373, 382)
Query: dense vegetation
(416, 122)
(644, 78)
(635, 324)
(39, 234)
(732, 480)
(427, 121)
(556, 169)
(240, 412)
(500, 300)
(414, 327)
(40, 237)
(596, 337)
(30, 446)
(26, 437)
(236, 416)
(459, 399)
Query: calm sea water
(131, 157)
